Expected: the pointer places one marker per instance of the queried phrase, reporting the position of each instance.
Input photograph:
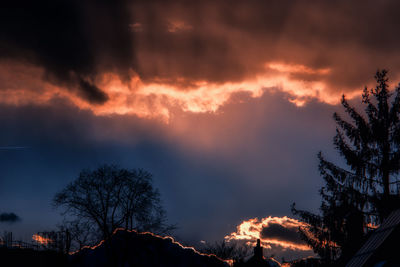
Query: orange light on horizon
(42, 240)
(296, 68)
(372, 226)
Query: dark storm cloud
(232, 40)
(281, 232)
(179, 42)
(92, 92)
(9, 217)
(224, 41)
(71, 40)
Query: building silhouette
(258, 259)
(382, 246)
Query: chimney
(258, 250)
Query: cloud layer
(150, 57)
(278, 235)
(9, 217)
(279, 231)
(70, 40)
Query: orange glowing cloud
(42, 240)
(23, 84)
(296, 68)
(178, 26)
(279, 231)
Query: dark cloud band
(72, 40)
(9, 217)
(281, 232)
(76, 41)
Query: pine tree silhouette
(366, 190)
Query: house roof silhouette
(258, 260)
(382, 246)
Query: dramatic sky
(227, 103)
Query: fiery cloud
(22, 84)
(278, 231)
(148, 58)
(42, 240)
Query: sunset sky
(227, 103)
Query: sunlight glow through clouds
(296, 68)
(157, 99)
(280, 231)
(42, 240)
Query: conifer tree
(366, 190)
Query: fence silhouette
(55, 241)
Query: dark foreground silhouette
(258, 260)
(22, 257)
(129, 248)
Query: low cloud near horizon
(278, 235)
(9, 217)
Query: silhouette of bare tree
(102, 200)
